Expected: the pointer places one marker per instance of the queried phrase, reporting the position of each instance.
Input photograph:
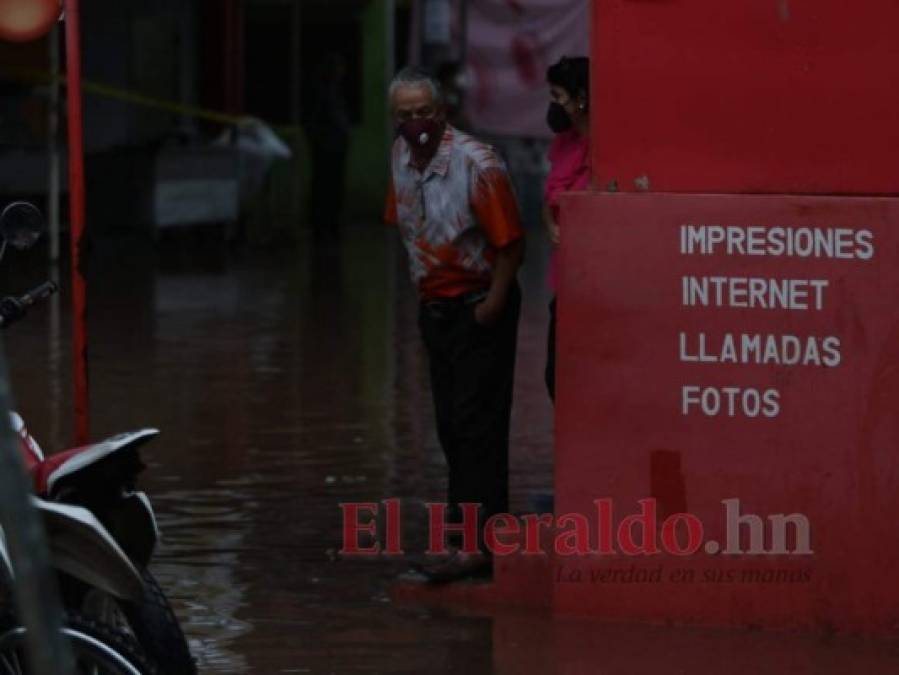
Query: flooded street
(286, 382)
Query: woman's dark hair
(572, 73)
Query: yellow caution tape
(99, 89)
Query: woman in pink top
(569, 155)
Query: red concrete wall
(773, 96)
(782, 97)
(829, 453)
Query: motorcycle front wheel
(151, 622)
(98, 649)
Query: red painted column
(780, 97)
(76, 223)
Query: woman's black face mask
(558, 118)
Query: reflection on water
(285, 383)
(203, 532)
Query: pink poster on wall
(510, 45)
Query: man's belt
(444, 308)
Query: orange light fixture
(24, 20)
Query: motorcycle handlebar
(25, 301)
(42, 292)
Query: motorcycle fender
(5, 562)
(82, 547)
(133, 525)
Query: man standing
(453, 202)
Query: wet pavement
(285, 382)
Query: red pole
(76, 222)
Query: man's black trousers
(472, 374)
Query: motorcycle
(83, 550)
(102, 529)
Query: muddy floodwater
(286, 381)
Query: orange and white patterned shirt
(453, 217)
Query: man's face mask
(558, 118)
(423, 134)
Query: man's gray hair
(412, 76)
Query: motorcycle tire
(156, 628)
(95, 646)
